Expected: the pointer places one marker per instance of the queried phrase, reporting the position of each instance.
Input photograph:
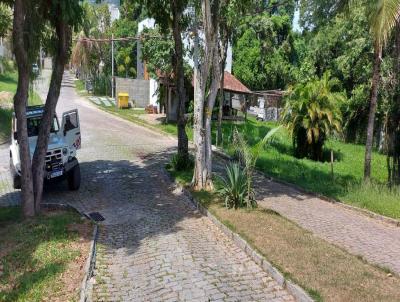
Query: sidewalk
(377, 242)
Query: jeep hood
(55, 141)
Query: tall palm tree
(383, 17)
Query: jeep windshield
(34, 124)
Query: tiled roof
(233, 84)
(230, 82)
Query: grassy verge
(42, 259)
(8, 83)
(327, 272)
(277, 160)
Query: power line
(123, 39)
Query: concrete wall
(139, 90)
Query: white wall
(146, 23)
(153, 92)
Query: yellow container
(123, 100)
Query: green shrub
(6, 66)
(182, 163)
(234, 188)
(102, 85)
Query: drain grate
(96, 216)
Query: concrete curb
(91, 260)
(365, 212)
(89, 267)
(297, 292)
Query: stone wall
(138, 90)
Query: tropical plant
(248, 156)
(311, 114)
(182, 163)
(234, 188)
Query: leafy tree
(311, 114)
(316, 13)
(157, 51)
(264, 51)
(170, 17)
(30, 20)
(87, 54)
(343, 47)
(125, 51)
(383, 16)
(5, 19)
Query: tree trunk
(199, 182)
(20, 103)
(224, 49)
(372, 111)
(183, 143)
(202, 177)
(220, 111)
(61, 58)
(215, 82)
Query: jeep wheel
(74, 178)
(16, 181)
(15, 177)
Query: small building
(235, 97)
(268, 104)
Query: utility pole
(112, 66)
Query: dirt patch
(71, 279)
(326, 271)
(43, 258)
(5, 100)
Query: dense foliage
(5, 19)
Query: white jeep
(63, 144)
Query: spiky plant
(234, 186)
(248, 156)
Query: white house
(113, 7)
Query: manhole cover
(96, 216)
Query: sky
(296, 19)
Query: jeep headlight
(65, 151)
(18, 167)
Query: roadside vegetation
(278, 160)
(42, 259)
(8, 86)
(325, 271)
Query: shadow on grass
(306, 176)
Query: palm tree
(383, 17)
(311, 114)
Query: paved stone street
(153, 246)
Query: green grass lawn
(8, 83)
(347, 184)
(41, 258)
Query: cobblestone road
(153, 246)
